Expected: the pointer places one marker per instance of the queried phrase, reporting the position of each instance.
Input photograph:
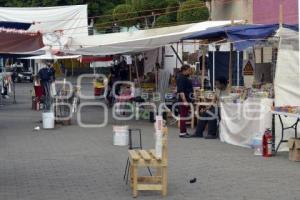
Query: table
(283, 129)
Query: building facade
(255, 11)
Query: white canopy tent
(138, 41)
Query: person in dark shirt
(211, 116)
(184, 92)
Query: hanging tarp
(15, 25)
(137, 41)
(243, 36)
(57, 24)
(287, 78)
(221, 64)
(13, 41)
(69, 19)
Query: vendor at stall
(211, 116)
(184, 92)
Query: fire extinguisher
(267, 143)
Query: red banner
(89, 59)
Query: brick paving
(73, 163)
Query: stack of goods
(99, 87)
(264, 91)
(287, 109)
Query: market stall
(237, 125)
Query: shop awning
(17, 41)
(243, 36)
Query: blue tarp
(15, 25)
(294, 27)
(221, 66)
(243, 36)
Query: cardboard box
(294, 146)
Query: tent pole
(214, 69)
(137, 73)
(238, 69)
(130, 72)
(280, 14)
(230, 66)
(203, 66)
(230, 60)
(72, 67)
(176, 53)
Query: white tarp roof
(51, 57)
(143, 40)
(71, 19)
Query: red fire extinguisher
(267, 143)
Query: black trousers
(210, 118)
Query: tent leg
(178, 57)
(72, 68)
(214, 71)
(137, 73)
(230, 66)
(238, 69)
(203, 67)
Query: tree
(192, 10)
(162, 21)
(171, 10)
(123, 12)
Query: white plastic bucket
(48, 120)
(121, 135)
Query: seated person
(211, 115)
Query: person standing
(184, 92)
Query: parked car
(20, 75)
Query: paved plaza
(73, 163)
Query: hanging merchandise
(128, 60)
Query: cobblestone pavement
(73, 163)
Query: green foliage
(171, 10)
(139, 5)
(186, 13)
(123, 12)
(162, 21)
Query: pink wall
(267, 11)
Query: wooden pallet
(147, 158)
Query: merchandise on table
(287, 109)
